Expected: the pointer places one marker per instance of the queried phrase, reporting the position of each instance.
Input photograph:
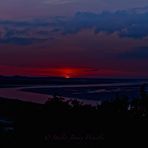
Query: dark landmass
(19, 80)
(57, 122)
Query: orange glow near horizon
(65, 72)
(68, 72)
(60, 72)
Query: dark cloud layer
(132, 24)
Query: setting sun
(67, 72)
(67, 77)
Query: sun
(67, 77)
(67, 72)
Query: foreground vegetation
(71, 122)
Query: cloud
(126, 24)
(24, 32)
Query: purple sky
(36, 8)
(90, 38)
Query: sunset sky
(74, 38)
